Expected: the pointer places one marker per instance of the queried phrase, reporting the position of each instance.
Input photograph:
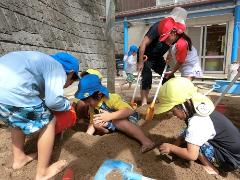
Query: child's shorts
(28, 119)
(130, 78)
(110, 126)
(207, 150)
(134, 118)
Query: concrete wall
(56, 25)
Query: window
(210, 41)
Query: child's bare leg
(129, 85)
(135, 132)
(45, 146)
(19, 157)
(209, 167)
(122, 85)
(144, 96)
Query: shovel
(133, 104)
(150, 110)
(227, 88)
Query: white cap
(179, 15)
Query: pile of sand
(86, 154)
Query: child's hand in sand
(165, 148)
(102, 117)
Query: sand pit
(86, 153)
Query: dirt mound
(86, 154)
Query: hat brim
(164, 38)
(82, 93)
(202, 104)
(164, 108)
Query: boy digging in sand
(31, 86)
(209, 136)
(108, 112)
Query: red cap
(167, 25)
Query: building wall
(56, 25)
(126, 5)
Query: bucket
(220, 108)
(65, 120)
(235, 89)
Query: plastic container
(65, 120)
(235, 89)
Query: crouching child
(209, 136)
(108, 112)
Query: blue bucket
(235, 89)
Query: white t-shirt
(200, 129)
(191, 66)
(130, 68)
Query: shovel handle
(227, 88)
(150, 110)
(159, 85)
(135, 89)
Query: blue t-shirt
(29, 77)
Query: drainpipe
(235, 43)
(236, 31)
(125, 41)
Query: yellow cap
(177, 91)
(95, 72)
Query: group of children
(209, 136)
(32, 100)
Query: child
(130, 65)
(108, 112)
(80, 107)
(183, 56)
(32, 101)
(92, 71)
(209, 135)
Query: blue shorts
(207, 150)
(28, 119)
(110, 126)
(134, 118)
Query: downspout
(236, 31)
(235, 43)
(125, 40)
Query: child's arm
(169, 58)
(179, 141)
(190, 153)
(107, 116)
(90, 129)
